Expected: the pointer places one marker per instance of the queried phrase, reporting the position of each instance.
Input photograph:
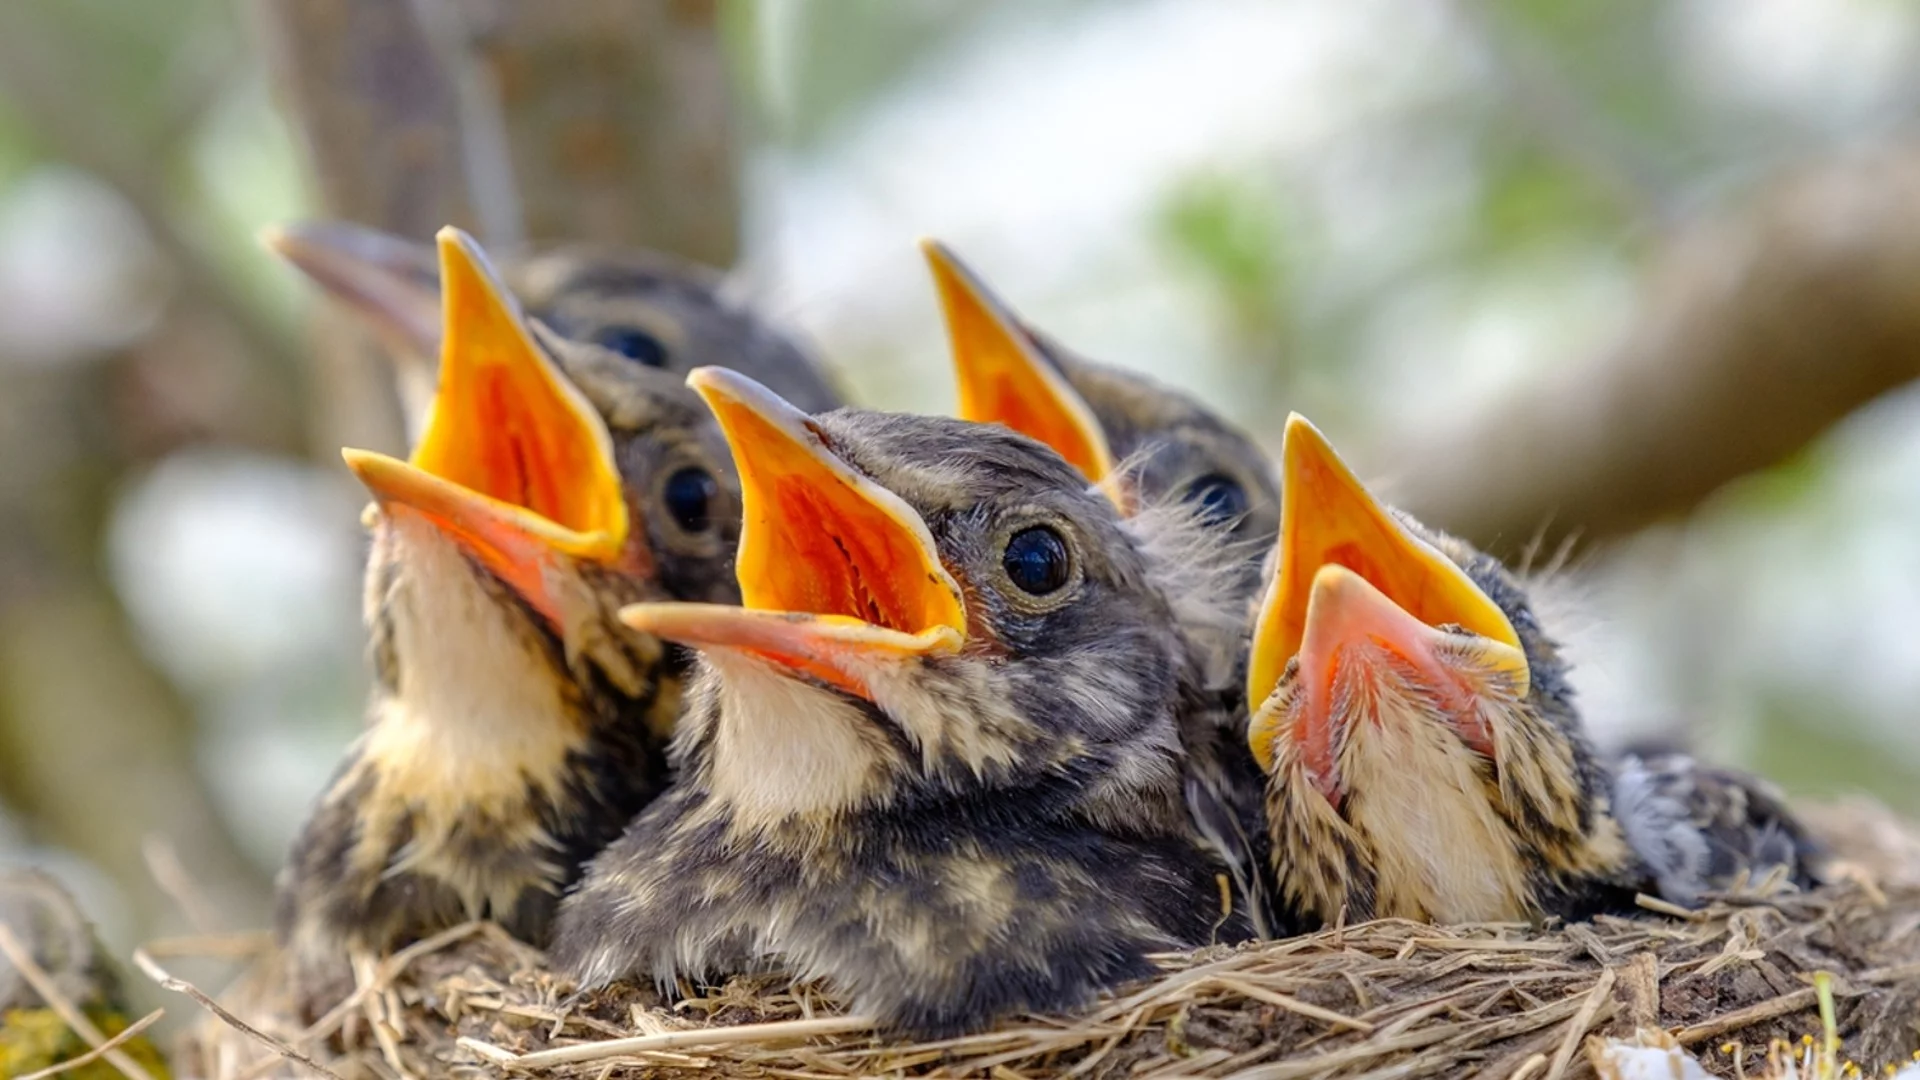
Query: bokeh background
(1627, 292)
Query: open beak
(839, 577)
(514, 463)
(1350, 573)
(1003, 378)
(391, 282)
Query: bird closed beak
(1350, 573)
(514, 463)
(389, 281)
(837, 574)
(1003, 378)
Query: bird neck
(475, 705)
(1554, 793)
(1420, 800)
(1430, 829)
(776, 750)
(786, 759)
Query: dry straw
(1389, 999)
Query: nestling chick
(650, 307)
(516, 724)
(1426, 759)
(932, 761)
(1159, 454)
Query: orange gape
(1327, 518)
(835, 571)
(1001, 377)
(514, 463)
(1351, 576)
(504, 423)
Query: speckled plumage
(1003, 833)
(1701, 828)
(1548, 843)
(1166, 441)
(1169, 452)
(1533, 824)
(505, 746)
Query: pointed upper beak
(391, 282)
(837, 573)
(514, 462)
(1002, 376)
(1349, 571)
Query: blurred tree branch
(374, 114)
(378, 122)
(614, 118)
(617, 119)
(599, 120)
(1757, 331)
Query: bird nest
(1382, 999)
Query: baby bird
(652, 308)
(932, 760)
(1425, 757)
(1156, 452)
(516, 724)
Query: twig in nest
(1666, 907)
(1293, 1004)
(1479, 945)
(779, 1030)
(244, 945)
(178, 985)
(97, 1052)
(375, 1008)
(163, 862)
(1582, 1020)
(1752, 1014)
(389, 969)
(43, 985)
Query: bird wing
(1702, 828)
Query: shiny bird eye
(633, 343)
(1036, 560)
(689, 497)
(1217, 498)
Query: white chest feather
(1441, 849)
(480, 717)
(783, 747)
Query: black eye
(634, 343)
(688, 496)
(1217, 498)
(1036, 560)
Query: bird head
(555, 478)
(667, 313)
(922, 600)
(1412, 718)
(655, 310)
(1141, 442)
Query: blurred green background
(1397, 217)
